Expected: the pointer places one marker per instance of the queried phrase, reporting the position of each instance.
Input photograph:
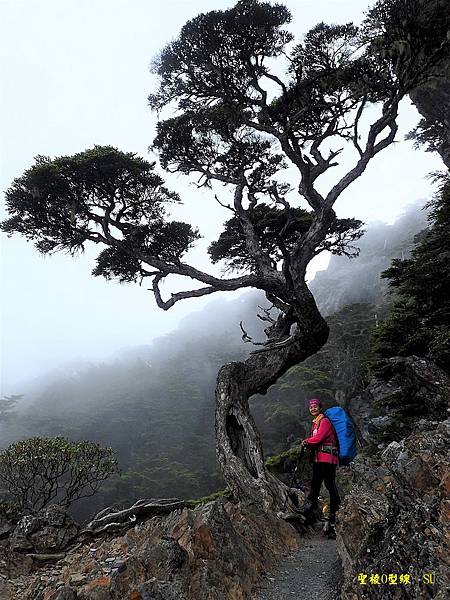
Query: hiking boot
(328, 529)
(290, 516)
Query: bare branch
(276, 80)
(224, 205)
(165, 305)
(269, 347)
(247, 338)
(387, 120)
(266, 316)
(262, 260)
(355, 136)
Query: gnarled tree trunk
(238, 443)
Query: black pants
(326, 473)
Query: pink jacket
(322, 434)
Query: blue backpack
(345, 433)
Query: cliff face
(356, 280)
(395, 520)
(412, 388)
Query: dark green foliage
(278, 230)
(167, 241)
(38, 471)
(411, 36)
(420, 319)
(285, 461)
(430, 134)
(225, 493)
(100, 195)
(211, 53)
(329, 75)
(346, 356)
(215, 140)
(275, 228)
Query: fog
(154, 403)
(77, 74)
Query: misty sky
(75, 74)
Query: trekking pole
(293, 476)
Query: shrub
(38, 471)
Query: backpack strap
(317, 420)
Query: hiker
(323, 442)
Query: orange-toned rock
(89, 567)
(103, 581)
(218, 550)
(445, 483)
(49, 594)
(444, 512)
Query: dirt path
(312, 573)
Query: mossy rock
(225, 493)
(284, 462)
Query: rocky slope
(393, 530)
(211, 552)
(393, 534)
(408, 389)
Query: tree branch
(388, 119)
(166, 304)
(254, 247)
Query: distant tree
(419, 322)
(340, 369)
(347, 354)
(39, 471)
(239, 122)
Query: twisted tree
(237, 120)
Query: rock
(411, 392)
(51, 529)
(6, 528)
(218, 550)
(13, 564)
(77, 579)
(161, 590)
(395, 519)
(66, 593)
(432, 101)
(167, 555)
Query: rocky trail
(312, 572)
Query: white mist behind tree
(77, 74)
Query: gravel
(313, 572)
